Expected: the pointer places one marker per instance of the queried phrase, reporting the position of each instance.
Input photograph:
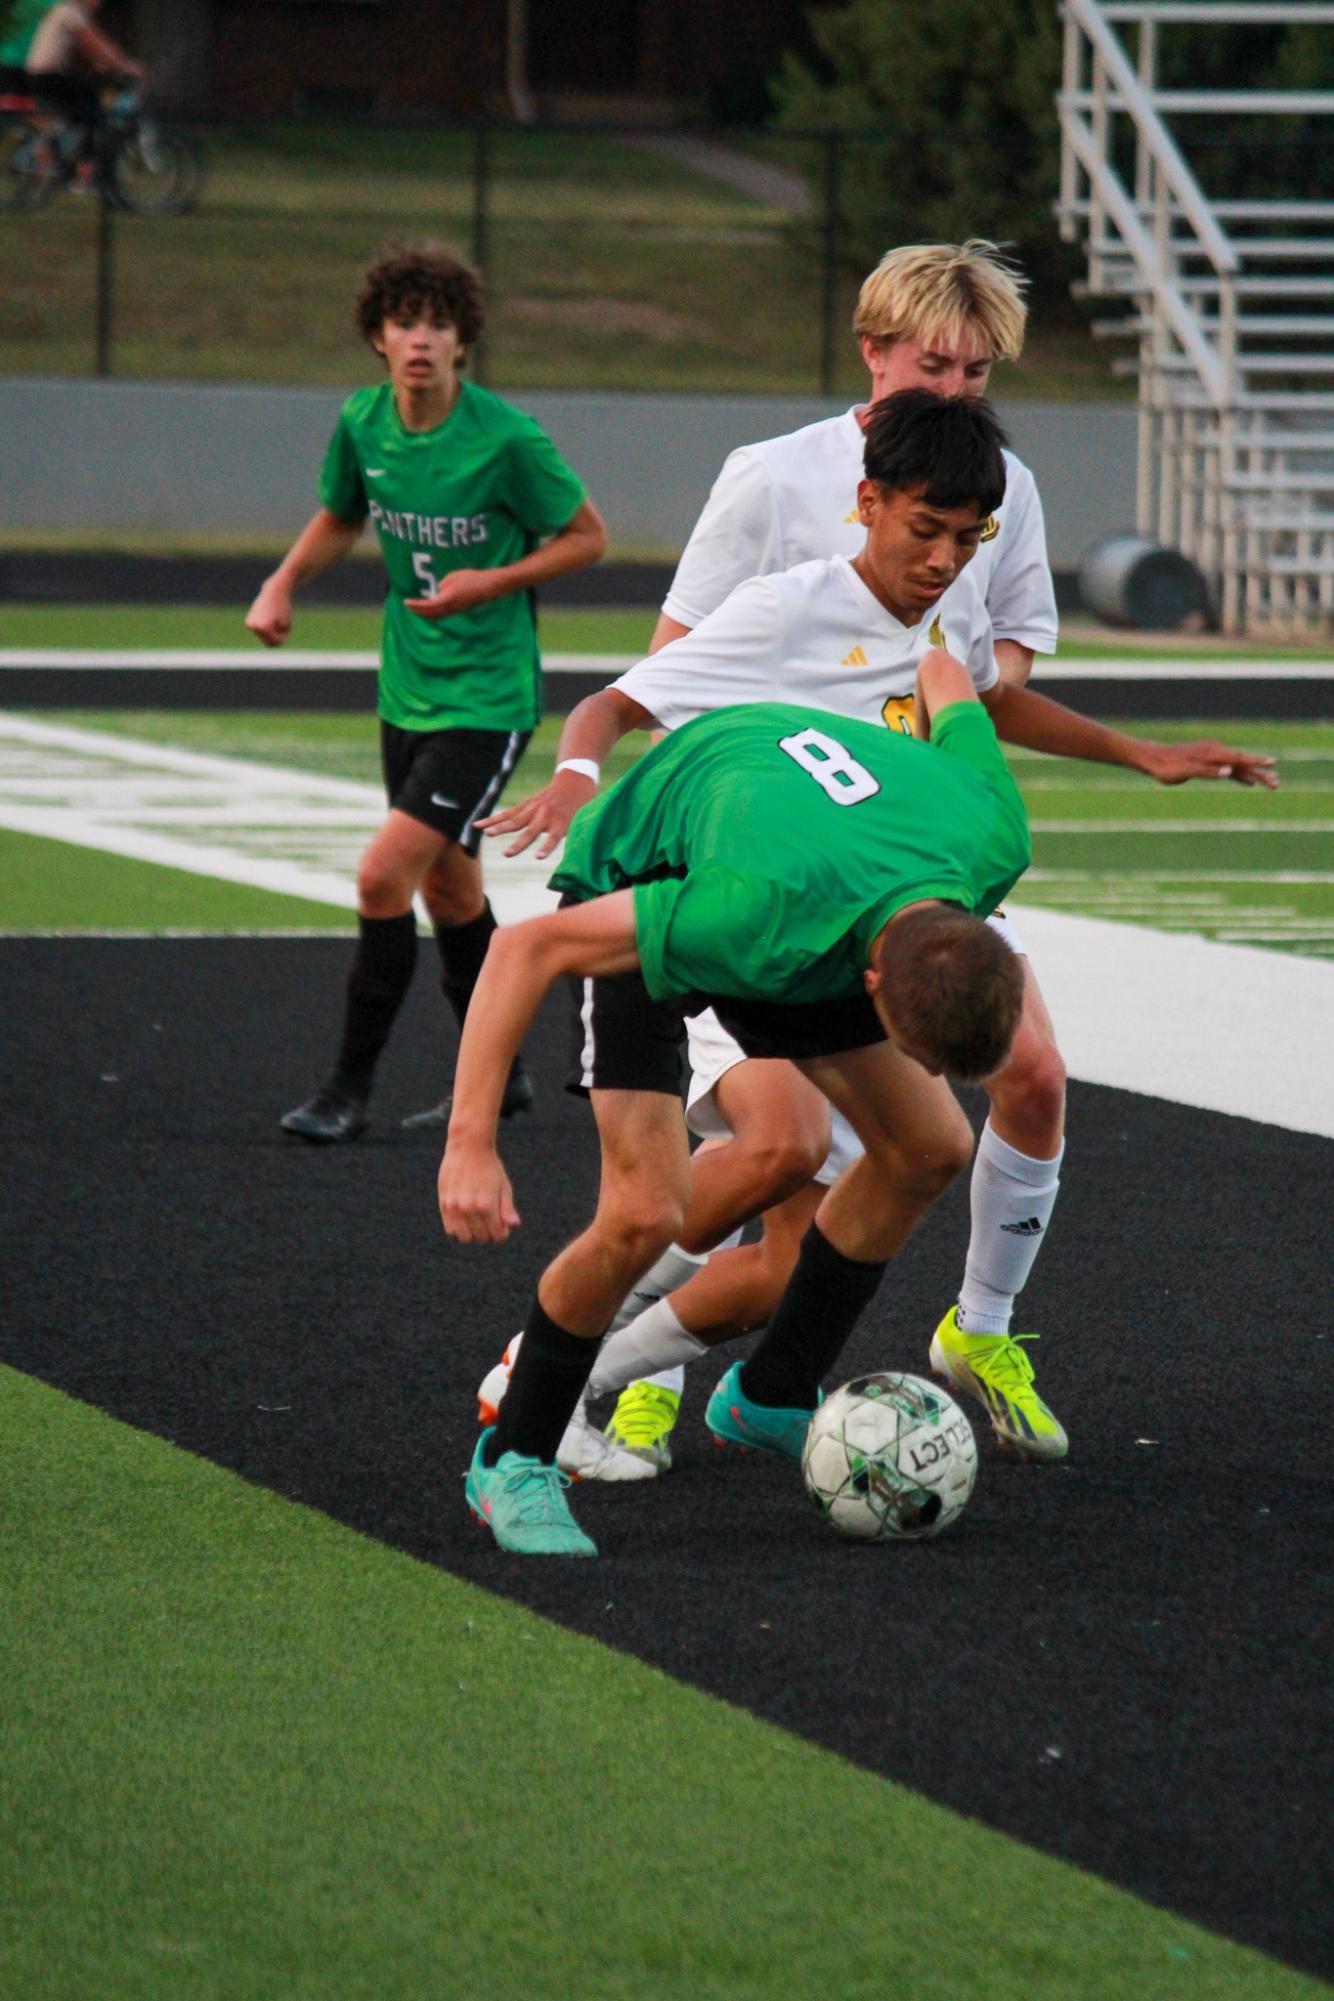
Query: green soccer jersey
(479, 491)
(768, 845)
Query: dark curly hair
(412, 275)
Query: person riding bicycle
(68, 56)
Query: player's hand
(545, 817)
(476, 1200)
(461, 590)
(270, 616)
(1175, 763)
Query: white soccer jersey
(792, 499)
(814, 635)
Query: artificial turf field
(253, 1754)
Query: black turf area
(1123, 1660)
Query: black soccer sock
(462, 948)
(381, 974)
(548, 1378)
(810, 1325)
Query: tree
(964, 94)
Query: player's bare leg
(1016, 1176)
(391, 869)
(779, 1135)
(642, 1197)
(916, 1139)
(463, 921)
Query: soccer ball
(889, 1458)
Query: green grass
(605, 264)
(253, 1755)
(611, 630)
(56, 886)
(337, 628)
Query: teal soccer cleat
(522, 1502)
(735, 1420)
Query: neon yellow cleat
(995, 1369)
(643, 1421)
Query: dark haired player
(814, 879)
(473, 507)
(845, 636)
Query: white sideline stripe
(1181, 826)
(183, 659)
(1226, 1027)
(1229, 1028)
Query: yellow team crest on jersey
(897, 714)
(990, 529)
(936, 636)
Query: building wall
(211, 459)
(392, 57)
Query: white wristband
(585, 766)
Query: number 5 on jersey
(421, 563)
(832, 766)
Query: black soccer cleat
(331, 1118)
(518, 1098)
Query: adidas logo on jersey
(854, 516)
(855, 659)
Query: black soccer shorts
(449, 779)
(624, 1040)
(808, 1028)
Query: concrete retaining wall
(214, 458)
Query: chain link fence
(655, 260)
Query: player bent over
(822, 882)
(473, 507)
(846, 636)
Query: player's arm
(941, 681)
(100, 53)
(580, 542)
(1023, 717)
(1015, 662)
(324, 539)
(591, 730)
(523, 960)
(666, 630)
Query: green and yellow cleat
(995, 1369)
(522, 1502)
(643, 1421)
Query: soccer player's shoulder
(826, 436)
(368, 405)
(494, 416)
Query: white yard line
(209, 815)
(1225, 1027)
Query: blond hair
(935, 291)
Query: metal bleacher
(1230, 303)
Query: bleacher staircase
(1231, 304)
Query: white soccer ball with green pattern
(889, 1458)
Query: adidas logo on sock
(1030, 1228)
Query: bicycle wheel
(154, 172)
(30, 168)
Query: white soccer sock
(654, 1344)
(673, 1268)
(1012, 1199)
